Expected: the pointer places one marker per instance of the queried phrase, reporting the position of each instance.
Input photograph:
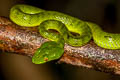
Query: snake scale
(65, 25)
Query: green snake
(65, 25)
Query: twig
(25, 41)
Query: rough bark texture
(20, 40)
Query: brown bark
(20, 40)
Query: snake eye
(45, 59)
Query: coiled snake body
(29, 16)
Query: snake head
(48, 51)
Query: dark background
(106, 13)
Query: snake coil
(29, 16)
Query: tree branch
(25, 41)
